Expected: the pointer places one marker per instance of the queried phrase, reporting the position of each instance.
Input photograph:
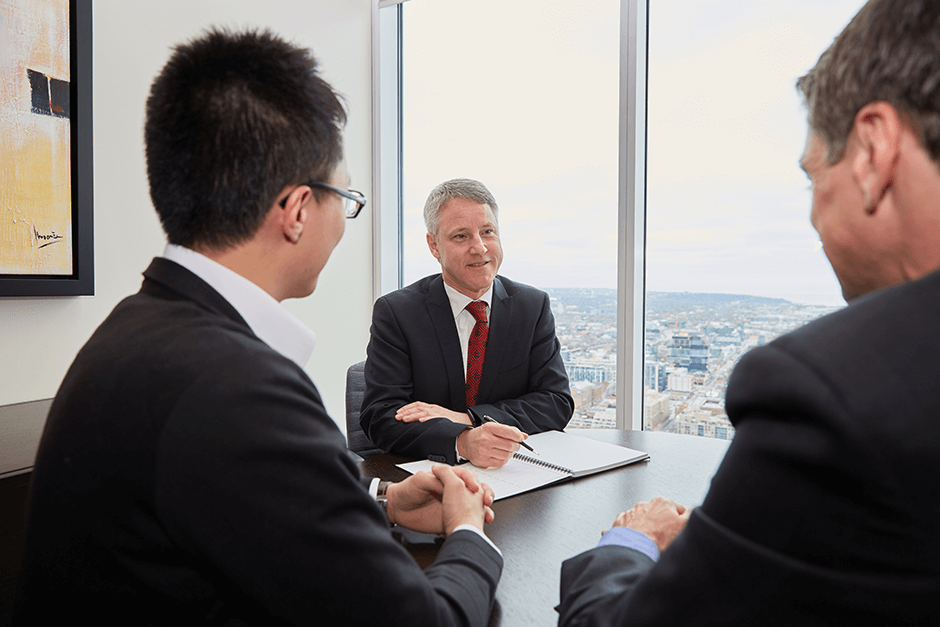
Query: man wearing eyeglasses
(824, 510)
(463, 365)
(188, 472)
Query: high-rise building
(689, 351)
(656, 409)
(654, 376)
(593, 372)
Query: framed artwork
(46, 176)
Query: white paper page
(513, 478)
(578, 454)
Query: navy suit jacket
(414, 355)
(189, 474)
(825, 509)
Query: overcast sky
(523, 95)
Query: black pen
(488, 419)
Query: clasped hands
(440, 501)
(490, 445)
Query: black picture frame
(82, 280)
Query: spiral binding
(542, 463)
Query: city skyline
(524, 97)
(691, 344)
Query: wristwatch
(381, 495)
(476, 420)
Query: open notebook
(560, 456)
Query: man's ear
(294, 215)
(432, 244)
(877, 133)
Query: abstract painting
(40, 247)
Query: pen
(527, 447)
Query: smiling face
(467, 245)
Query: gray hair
(889, 52)
(456, 188)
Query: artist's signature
(48, 240)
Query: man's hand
(419, 502)
(462, 505)
(419, 411)
(660, 519)
(489, 445)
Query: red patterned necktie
(476, 350)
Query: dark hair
(232, 119)
(890, 52)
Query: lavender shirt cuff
(633, 539)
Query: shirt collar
(273, 324)
(459, 302)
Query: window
(523, 96)
(731, 258)
(666, 215)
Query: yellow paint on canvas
(35, 164)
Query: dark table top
(538, 530)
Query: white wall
(39, 337)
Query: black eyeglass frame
(358, 199)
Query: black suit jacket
(825, 509)
(189, 474)
(414, 355)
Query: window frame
(387, 133)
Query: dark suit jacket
(190, 474)
(825, 509)
(414, 355)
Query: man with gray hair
(463, 365)
(824, 510)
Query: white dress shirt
(274, 325)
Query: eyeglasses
(353, 201)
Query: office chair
(358, 442)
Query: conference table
(538, 530)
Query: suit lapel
(442, 319)
(497, 341)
